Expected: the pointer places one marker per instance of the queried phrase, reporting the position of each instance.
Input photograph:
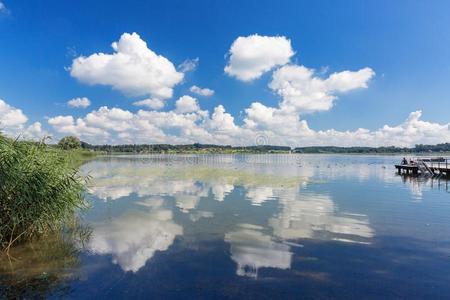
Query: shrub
(69, 143)
(39, 190)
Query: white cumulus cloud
(254, 55)
(201, 91)
(82, 102)
(302, 91)
(150, 103)
(13, 122)
(186, 104)
(190, 124)
(133, 68)
(11, 116)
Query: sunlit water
(246, 226)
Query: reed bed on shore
(40, 190)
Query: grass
(40, 190)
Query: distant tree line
(162, 148)
(392, 149)
(211, 148)
(433, 148)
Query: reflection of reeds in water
(42, 266)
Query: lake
(245, 226)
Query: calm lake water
(246, 226)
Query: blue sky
(405, 43)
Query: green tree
(69, 142)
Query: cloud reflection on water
(133, 237)
(313, 215)
(252, 250)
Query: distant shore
(439, 149)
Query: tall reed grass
(39, 190)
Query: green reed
(40, 190)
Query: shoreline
(437, 154)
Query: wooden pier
(434, 166)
